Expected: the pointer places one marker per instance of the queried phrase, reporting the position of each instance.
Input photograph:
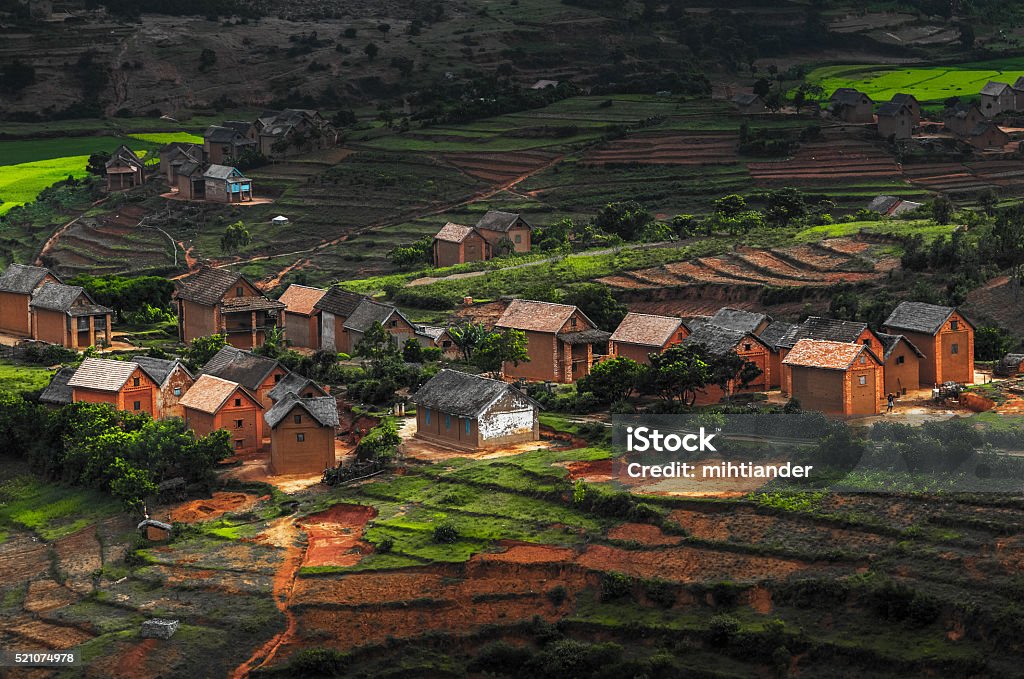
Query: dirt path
(284, 530)
(305, 254)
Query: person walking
(891, 402)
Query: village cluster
(208, 171)
(900, 119)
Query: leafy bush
(315, 662)
(661, 592)
(500, 657)
(721, 629)
(41, 353)
(446, 533)
(615, 585)
(557, 595)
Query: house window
(447, 421)
(277, 378)
(239, 443)
(746, 347)
(954, 349)
(238, 424)
(394, 324)
(900, 360)
(867, 343)
(298, 419)
(238, 291)
(238, 402)
(300, 437)
(572, 322)
(519, 238)
(468, 425)
(954, 325)
(135, 381)
(426, 415)
(446, 344)
(137, 405)
(177, 391)
(862, 380)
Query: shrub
(446, 533)
(615, 585)
(557, 595)
(317, 662)
(385, 546)
(661, 592)
(500, 657)
(722, 628)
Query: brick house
(258, 374)
(17, 284)
(303, 317)
(837, 378)
(124, 170)
(987, 135)
(217, 301)
(302, 432)
(227, 142)
(226, 184)
(748, 103)
(851, 106)
(961, 118)
(172, 380)
(497, 226)
(457, 244)
(895, 121)
(122, 384)
(294, 383)
(752, 322)
(911, 102)
(174, 156)
(213, 403)
(293, 131)
(997, 98)
(335, 307)
(468, 412)
(944, 337)
(67, 315)
(369, 312)
(559, 337)
(640, 335)
(773, 336)
(437, 336)
(718, 341)
(829, 329)
(902, 363)
(190, 181)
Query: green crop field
(16, 379)
(928, 83)
(163, 138)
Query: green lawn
(17, 379)
(928, 83)
(896, 227)
(50, 510)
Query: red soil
(211, 508)
(643, 533)
(334, 536)
(687, 564)
(595, 471)
(522, 552)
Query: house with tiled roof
(58, 393)
(437, 336)
(335, 307)
(774, 335)
(837, 378)
(258, 374)
(225, 143)
(293, 130)
(218, 301)
(17, 284)
(302, 433)
(896, 121)
(902, 363)
(997, 98)
(124, 169)
(851, 106)
(961, 118)
(469, 412)
(510, 228)
(172, 379)
(367, 313)
(457, 244)
(122, 384)
(987, 135)
(213, 403)
(175, 155)
(640, 335)
(303, 316)
(718, 340)
(69, 316)
(226, 184)
(560, 340)
(943, 335)
(748, 103)
(820, 328)
(294, 383)
(752, 322)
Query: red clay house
(640, 335)
(829, 329)
(67, 315)
(303, 316)
(258, 374)
(122, 384)
(944, 337)
(718, 341)
(508, 227)
(902, 362)
(837, 378)
(335, 307)
(302, 434)
(217, 301)
(17, 284)
(457, 244)
(213, 403)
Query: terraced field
(711, 148)
(838, 159)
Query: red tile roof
(454, 233)
(646, 329)
(827, 355)
(526, 314)
(301, 299)
(208, 394)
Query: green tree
(784, 205)
(612, 379)
(468, 338)
(419, 253)
(202, 349)
(371, 51)
(731, 205)
(412, 351)
(988, 200)
(378, 346)
(626, 219)
(942, 209)
(966, 36)
(236, 236)
(598, 303)
(207, 59)
(1008, 241)
(498, 348)
(991, 343)
(130, 484)
(730, 371)
(677, 373)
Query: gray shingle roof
(159, 368)
(219, 134)
(745, 98)
(716, 339)
(339, 302)
(905, 99)
(891, 109)
(830, 329)
(367, 313)
(235, 365)
(496, 220)
(776, 332)
(463, 394)
(22, 278)
(190, 168)
(58, 392)
(323, 409)
(890, 342)
(293, 383)
(918, 317)
(847, 96)
(221, 172)
(60, 297)
(206, 286)
(993, 88)
(102, 374)
(737, 319)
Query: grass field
(51, 511)
(927, 83)
(17, 379)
